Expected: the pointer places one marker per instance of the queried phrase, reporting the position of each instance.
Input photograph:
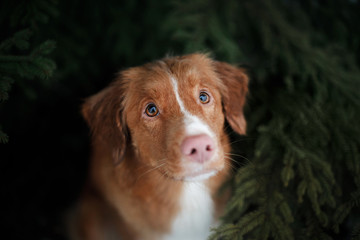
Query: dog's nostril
(198, 148)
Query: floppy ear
(234, 93)
(102, 112)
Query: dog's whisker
(239, 163)
(226, 128)
(237, 155)
(231, 171)
(148, 165)
(231, 159)
(234, 154)
(239, 140)
(150, 170)
(231, 165)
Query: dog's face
(171, 114)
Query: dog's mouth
(194, 170)
(192, 175)
(199, 175)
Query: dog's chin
(199, 176)
(195, 176)
(195, 172)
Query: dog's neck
(176, 204)
(180, 207)
(140, 192)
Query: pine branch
(355, 235)
(20, 40)
(16, 68)
(5, 86)
(3, 137)
(10, 58)
(343, 210)
(30, 13)
(280, 230)
(245, 225)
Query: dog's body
(159, 150)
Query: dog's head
(170, 114)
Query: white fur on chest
(195, 217)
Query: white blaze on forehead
(193, 124)
(176, 91)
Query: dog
(160, 150)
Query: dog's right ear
(234, 94)
(103, 113)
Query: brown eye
(204, 97)
(151, 110)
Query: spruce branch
(355, 235)
(5, 86)
(3, 137)
(20, 40)
(245, 225)
(16, 68)
(343, 210)
(11, 58)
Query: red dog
(159, 149)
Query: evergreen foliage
(298, 172)
(302, 180)
(20, 61)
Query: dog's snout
(199, 148)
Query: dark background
(44, 163)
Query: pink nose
(199, 148)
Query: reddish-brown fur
(129, 192)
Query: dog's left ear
(102, 112)
(235, 82)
